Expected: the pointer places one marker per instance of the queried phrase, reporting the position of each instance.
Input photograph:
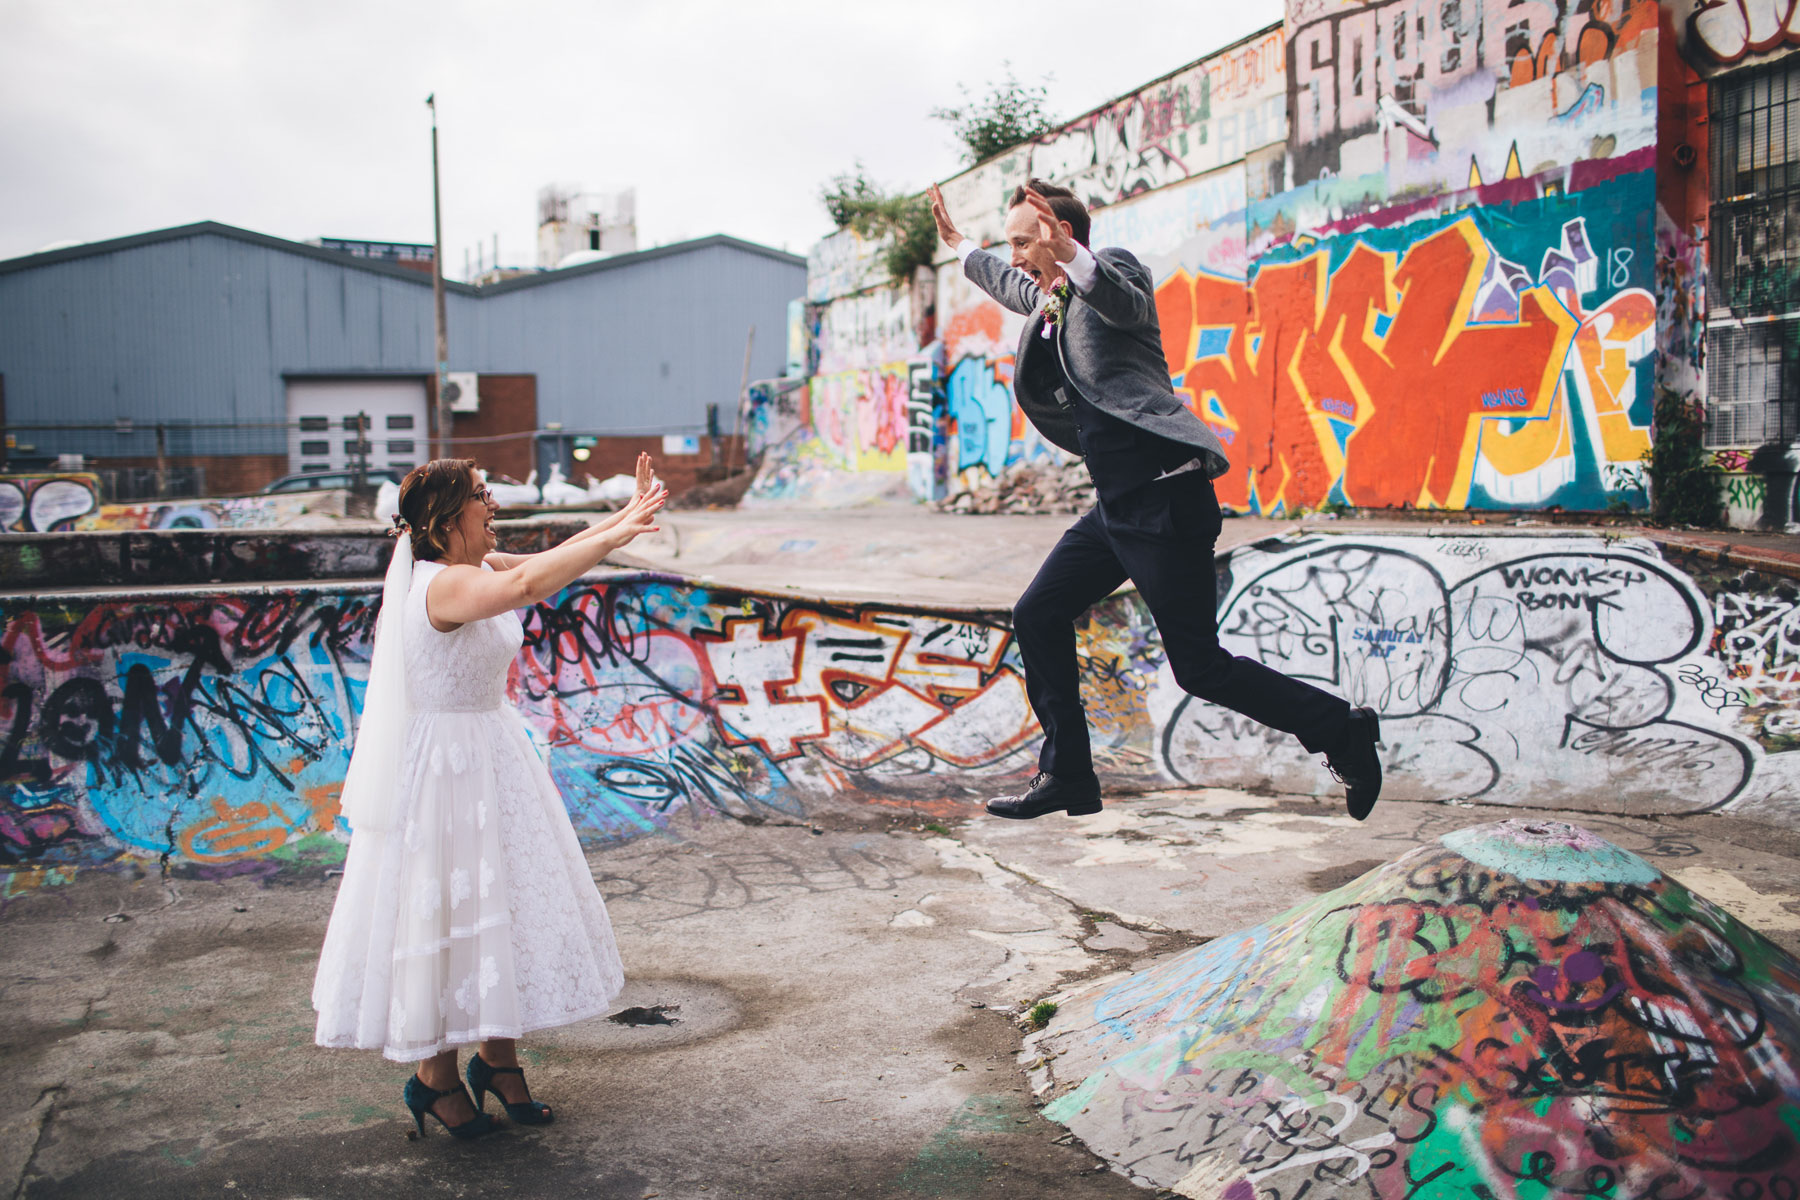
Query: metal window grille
(1755, 136)
(1753, 383)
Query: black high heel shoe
(481, 1080)
(420, 1098)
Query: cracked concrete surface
(847, 998)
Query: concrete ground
(845, 992)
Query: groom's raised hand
(945, 226)
(1051, 229)
(646, 474)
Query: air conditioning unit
(462, 389)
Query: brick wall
(508, 412)
(226, 474)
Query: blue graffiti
(982, 407)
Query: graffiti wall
(1566, 672)
(1208, 115)
(62, 502)
(846, 441)
(1393, 97)
(1201, 118)
(210, 731)
(1409, 254)
(1721, 35)
(230, 512)
(1518, 1009)
(47, 503)
(1570, 672)
(1496, 356)
(833, 439)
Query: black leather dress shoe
(1078, 797)
(1357, 764)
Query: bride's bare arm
(646, 480)
(461, 594)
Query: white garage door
(322, 423)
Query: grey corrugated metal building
(208, 324)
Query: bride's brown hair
(431, 498)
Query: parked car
(318, 481)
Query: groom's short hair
(1062, 202)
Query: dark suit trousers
(1161, 537)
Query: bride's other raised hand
(638, 516)
(646, 473)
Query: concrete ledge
(147, 558)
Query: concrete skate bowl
(209, 730)
(1518, 1009)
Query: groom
(1090, 374)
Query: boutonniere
(1056, 307)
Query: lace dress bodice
(464, 670)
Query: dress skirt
(477, 916)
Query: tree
(1010, 113)
(904, 222)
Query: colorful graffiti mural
(64, 502)
(228, 512)
(1520, 1009)
(1542, 671)
(212, 730)
(835, 439)
(1197, 120)
(1720, 34)
(204, 729)
(1426, 366)
(1492, 163)
(46, 503)
(1404, 96)
(1568, 671)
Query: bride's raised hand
(638, 515)
(646, 474)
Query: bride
(467, 912)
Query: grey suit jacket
(1110, 347)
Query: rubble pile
(1035, 487)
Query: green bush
(1010, 113)
(1684, 483)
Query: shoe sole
(1083, 811)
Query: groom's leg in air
(1081, 571)
(1170, 558)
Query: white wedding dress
(477, 916)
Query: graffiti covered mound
(1520, 1009)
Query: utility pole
(437, 294)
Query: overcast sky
(307, 119)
